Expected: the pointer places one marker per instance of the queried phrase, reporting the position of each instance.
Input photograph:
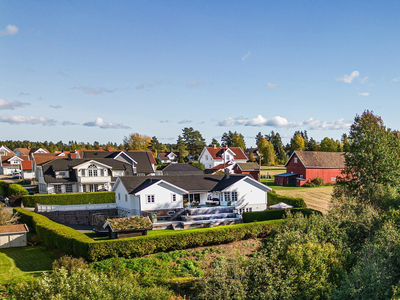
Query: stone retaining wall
(77, 217)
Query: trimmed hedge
(56, 235)
(73, 242)
(275, 214)
(69, 199)
(274, 198)
(16, 189)
(3, 188)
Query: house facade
(304, 166)
(166, 195)
(11, 164)
(5, 151)
(213, 156)
(251, 168)
(168, 157)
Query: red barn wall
(298, 167)
(326, 174)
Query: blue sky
(99, 70)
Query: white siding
(163, 197)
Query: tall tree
(328, 145)
(266, 150)
(297, 142)
(181, 148)
(194, 140)
(215, 143)
(136, 141)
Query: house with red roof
(27, 169)
(304, 166)
(213, 156)
(11, 163)
(4, 150)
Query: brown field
(315, 198)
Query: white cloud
(4, 104)
(246, 56)
(93, 91)
(55, 106)
(15, 120)
(397, 79)
(66, 123)
(164, 121)
(184, 121)
(9, 30)
(272, 85)
(99, 122)
(281, 122)
(364, 80)
(349, 78)
(363, 94)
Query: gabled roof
(250, 166)
(216, 153)
(319, 159)
(41, 158)
(221, 166)
(6, 149)
(191, 183)
(16, 228)
(26, 165)
(181, 169)
(24, 151)
(164, 155)
(5, 160)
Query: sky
(100, 70)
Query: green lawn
(23, 262)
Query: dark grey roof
(191, 183)
(143, 161)
(182, 169)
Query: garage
(13, 235)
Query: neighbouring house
(168, 157)
(304, 166)
(220, 169)
(13, 235)
(251, 168)
(179, 169)
(11, 164)
(4, 150)
(166, 195)
(67, 175)
(29, 151)
(213, 156)
(27, 169)
(41, 158)
(252, 152)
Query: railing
(94, 179)
(76, 207)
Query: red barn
(251, 168)
(304, 166)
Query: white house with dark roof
(164, 194)
(214, 156)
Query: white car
(16, 175)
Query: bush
(69, 199)
(274, 198)
(318, 181)
(3, 188)
(275, 214)
(16, 189)
(69, 263)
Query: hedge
(55, 235)
(275, 214)
(274, 198)
(3, 188)
(16, 189)
(69, 199)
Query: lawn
(24, 262)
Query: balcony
(94, 180)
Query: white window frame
(234, 196)
(68, 188)
(173, 197)
(150, 199)
(227, 196)
(58, 189)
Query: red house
(304, 166)
(251, 168)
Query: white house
(213, 156)
(11, 164)
(5, 151)
(166, 195)
(168, 157)
(13, 235)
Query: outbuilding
(13, 235)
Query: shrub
(69, 199)
(3, 188)
(16, 189)
(69, 263)
(274, 198)
(318, 181)
(275, 214)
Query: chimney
(226, 173)
(101, 149)
(215, 146)
(69, 156)
(226, 146)
(109, 149)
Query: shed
(13, 235)
(127, 227)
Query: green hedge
(3, 188)
(274, 198)
(143, 245)
(275, 214)
(16, 189)
(55, 235)
(69, 199)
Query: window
(206, 157)
(119, 196)
(96, 188)
(101, 172)
(227, 196)
(68, 188)
(84, 188)
(126, 197)
(234, 196)
(333, 179)
(83, 172)
(295, 160)
(57, 189)
(150, 198)
(92, 170)
(173, 197)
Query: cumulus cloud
(349, 78)
(93, 91)
(4, 104)
(99, 122)
(15, 120)
(246, 56)
(272, 85)
(55, 106)
(184, 121)
(9, 30)
(282, 122)
(66, 123)
(363, 94)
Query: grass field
(24, 262)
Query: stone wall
(77, 217)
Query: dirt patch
(315, 198)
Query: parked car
(16, 175)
